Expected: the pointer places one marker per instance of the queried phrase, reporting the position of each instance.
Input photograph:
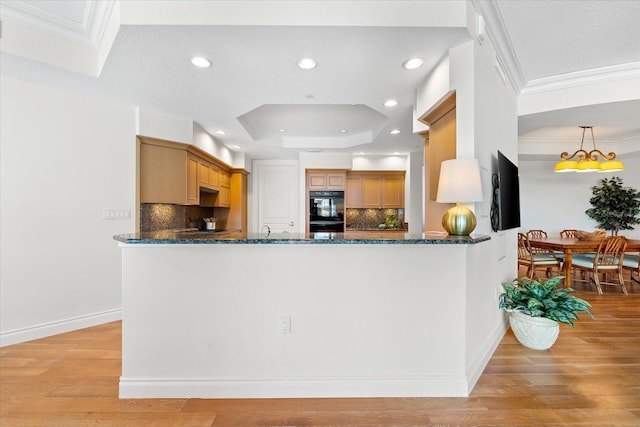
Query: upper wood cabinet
(375, 190)
(353, 192)
(371, 191)
(225, 179)
(440, 142)
(393, 191)
(168, 175)
(175, 173)
(323, 180)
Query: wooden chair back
(536, 234)
(610, 252)
(568, 234)
(524, 247)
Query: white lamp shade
(459, 181)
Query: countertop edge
(295, 239)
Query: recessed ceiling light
(307, 64)
(201, 62)
(221, 132)
(282, 130)
(390, 103)
(395, 131)
(236, 146)
(343, 131)
(412, 63)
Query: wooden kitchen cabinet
(168, 175)
(225, 179)
(326, 180)
(224, 198)
(375, 190)
(209, 175)
(371, 191)
(353, 192)
(393, 191)
(238, 211)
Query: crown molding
(88, 33)
(497, 30)
(584, 77)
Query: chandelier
(588, 161)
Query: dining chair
(531, 259)
(568, 233)
(536, 234)
(631, 262)
(608, 260)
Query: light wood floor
(591, 377)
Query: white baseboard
(58, 327)
(428, 386)
(477, 367)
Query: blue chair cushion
(586, 261)
(631, 261)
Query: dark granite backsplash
(156, 216)
(371, 218)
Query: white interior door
(277, 195)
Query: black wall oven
(326, 211)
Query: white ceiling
(254, 89)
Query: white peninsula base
(366, 320)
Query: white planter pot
(537, 333)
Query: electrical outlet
(285, 325)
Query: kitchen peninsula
(237, 315)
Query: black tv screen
(508, 193)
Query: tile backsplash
(371, 218)
(156, 216)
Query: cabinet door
(336, 181)
(193, 183)
(371, 191)
(353, 193)
(238, 212)
(225, 179)
(393, 191)
(164, 175)
(317, 181)
(224, 198)
(204, 174)
(214, 177)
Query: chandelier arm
(582, 155)
(593, 155)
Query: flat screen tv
(506, 195)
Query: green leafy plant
(543, 299)
(391, 222)
(615, 207)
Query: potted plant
(537, 307)
(615, 207)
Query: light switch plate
(116, 214)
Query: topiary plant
(543, 299)
(615, 207)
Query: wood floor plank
(590, 377)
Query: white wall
(486, 122)
(554, 201)
(65, 159)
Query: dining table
(569, 246)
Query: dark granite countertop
(236, 237)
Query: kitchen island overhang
(366, 317)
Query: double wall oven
(326, 211)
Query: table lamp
(459, 183)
